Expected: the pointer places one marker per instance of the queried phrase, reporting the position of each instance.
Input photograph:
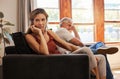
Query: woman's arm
(39, 46)
(65, 44)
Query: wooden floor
(116, 73)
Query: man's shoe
(107, 50)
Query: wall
(114, 58)
(9, 8)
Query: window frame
(65, 9)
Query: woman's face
(40, 22)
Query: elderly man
(66, 26)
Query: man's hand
(73, 28)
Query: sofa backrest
(21, 46)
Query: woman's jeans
(94, 48)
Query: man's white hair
(66, 20)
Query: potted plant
(5, 36)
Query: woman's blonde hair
(34, 13)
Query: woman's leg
(92, 60)
(95, 71)
(101, 66)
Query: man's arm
(76, 41)
(75, 32)
(67, 36)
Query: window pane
(112, 15)
(47, 3)
(82, 11)
(86, 33)
(112, 10)
(112, 32)
(53, 15)
(53, 27)
(51, 7)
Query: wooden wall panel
(99, 19)
(65, 8)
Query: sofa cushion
(21, 44)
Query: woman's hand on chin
(35, 30)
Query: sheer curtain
(24, 9)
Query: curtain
(24, 9)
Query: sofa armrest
(72, 66)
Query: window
(52, 8)
(95, 20)
(86, 32)
(112, 20)
(82, 15)
(82, 11)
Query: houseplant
(5, 36)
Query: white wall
(9, 8)
(114, 59)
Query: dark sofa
(0, 71)
(45, 67)
(20, 62)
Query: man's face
(67, 25)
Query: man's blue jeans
(94, 47)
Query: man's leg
(107, 50)
(97, 45)
(108, 70)
(102, 49)
(109, 74)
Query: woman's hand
(35, 30)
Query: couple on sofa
(45, 42)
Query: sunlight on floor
(116, 73)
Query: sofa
(20, 62)
(0, 71)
